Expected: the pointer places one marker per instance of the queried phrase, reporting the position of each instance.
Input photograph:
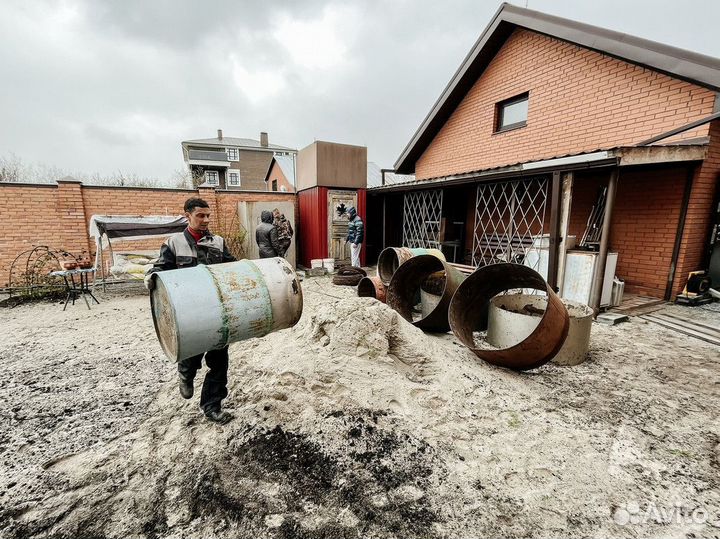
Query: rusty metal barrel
(408, 280)
(371, 287)
(391, 258)
(469, 313)
(208, 307)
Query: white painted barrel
(507, 327)
(207, 307)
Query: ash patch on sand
(356, 475)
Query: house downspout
(679, 233)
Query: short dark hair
(195, 202)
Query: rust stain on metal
(372, 287)
(469, 313)
(409, 278)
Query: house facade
(281, 174)
(557, 142)
(232, 163)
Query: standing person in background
(197, 245)
(355, 236)
(284, 232)
(266, 236)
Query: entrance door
(338, 204)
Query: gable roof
(286, 164)
(236, 142)
(679, 63)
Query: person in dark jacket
(196, 245)
(355, 235)
(266, 236)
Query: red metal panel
(361, 209)
(313, 224)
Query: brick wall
(580, 100)
(697, 223)
(58, 215)
(644, 222)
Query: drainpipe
(679, 233)
(599, 277)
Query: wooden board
(685, 328)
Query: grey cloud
(125, 82)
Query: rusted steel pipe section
(207, 307)
(469, 313)
(392, 258)
(371, 287)
(408, 280)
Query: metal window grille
(422, 211)
(211, 177)
(509, 221)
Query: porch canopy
(105, 228)
(130, 228)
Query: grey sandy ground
(351, 424)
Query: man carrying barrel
(196, 245)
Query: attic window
(511, 113)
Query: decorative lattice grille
(509, 222)
(422, 211)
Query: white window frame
(236, 151)
(229, 182)
(215, 175)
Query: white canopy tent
(105, 228)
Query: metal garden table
(73, 288)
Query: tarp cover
(129, 227)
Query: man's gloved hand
(149, 282)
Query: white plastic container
(507, 327)
(316, 263)
(329, 264)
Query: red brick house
(549, 125)
(281, 174)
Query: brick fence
(59, 215)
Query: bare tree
(11, 169)
(182, 178)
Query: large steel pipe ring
(372, 287)
(403, 292)
(469, 313)
(391, 258)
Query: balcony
(217, 158)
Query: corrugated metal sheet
(313, 219)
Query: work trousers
(214, 388)
(355, 254)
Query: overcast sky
(102, 86)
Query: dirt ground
(353, 424)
